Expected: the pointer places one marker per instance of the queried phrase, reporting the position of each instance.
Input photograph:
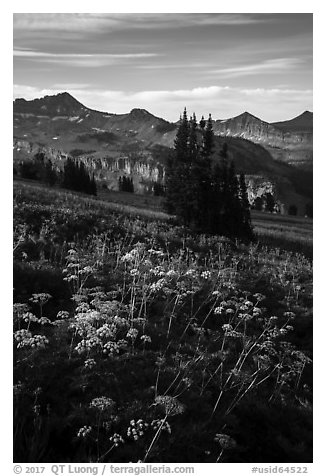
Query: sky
(223, 64)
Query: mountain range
(277, 155)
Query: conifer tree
(208, 193)
(209, 199)
(193, 191)
(76, 177)
(50, 175)
(177, 172)
(247, 230)
(233, 211)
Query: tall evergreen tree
(209, 199)
(208, 193)
(76, 177)
(50, 175)
(178, 173)
(247, 229)
(233, 211)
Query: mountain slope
(137, 143)
(300, 124)
(294, 148)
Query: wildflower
(164, 425)
(86, 345)
(89, 363)
(171, 273)
(30, 317)
(229, 311)
(259, 296)
(40, 298)
(37, 409)
(111, 348)
(191, 272)
(225, 441)
(106, 331)
(170, 404)
(244, 307)
(137, 429)
(257, 310)
(158, 285)
(102, 404)
(233, 334)
(132, 334)
(44, 320)
(289, 315)
(227, 327)
(116, 439)
(160, 361)
(273, 318)
(263, 361)
(84, 431)
(247, 317)
(206, 274)
(145, 338)
(222, 355)
(63, 315)
(20, 310)
(25, 339)
(187, 382)
(216, 293)
(219, 310)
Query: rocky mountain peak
(62, 104)
(139, 113)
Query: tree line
(206, 194)
(126, 184)
(74, 175)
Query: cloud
(222, 102)
(268, 66)
(71, 22)
(64, 86)
(80, 59)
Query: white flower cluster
(132, 334)
(85, 345)
(155, 287)
(116, 439)
(89, 363)
(137, 429)
(164, 425)
(84, 431)
(158, 271)
(206, 274)
(170, 404)
(106, 331)
(35, 342)
(102, 404)
(63, 315)
(146, 338)
(113, 348)
(225, 441)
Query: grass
(136, 340)
(286, 232)
(282, 231)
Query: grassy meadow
(137, 341)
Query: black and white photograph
(163, 239)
